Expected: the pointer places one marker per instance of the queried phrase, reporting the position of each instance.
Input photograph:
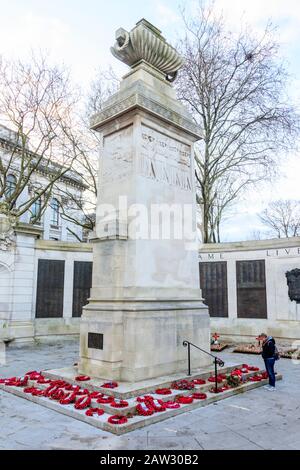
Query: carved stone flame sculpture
(293, 282)
(145, 43)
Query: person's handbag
(276, 354)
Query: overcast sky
(80, 33)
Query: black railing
(217, 360)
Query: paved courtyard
(255, 420)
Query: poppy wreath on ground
(42, 380)
(29, 389)
(96, 395)
(119, 404)
(213, 379)
(82, 378)
(236, 372)
(199, 396)
(70, 397)
(163, 391)
(264, 375)
(145, 409)
(144, 399)
(22, 381)
(58, 383)
(255, 378)
(50, 390)
(83, 402)
(82, 392)
(11, 381)
(158, 405)
(199, 381)
(110, 385)
(234, 380)
(184, 400)
(183, 385)
(73, 388)
(37, 392)
(105, 399)
(171, 404)
(58, 395)
(253, 368)
(33, 375)
(94, 411)
(117, 419)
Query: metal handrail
(217, 360)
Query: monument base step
(130, 392)
(127, 390)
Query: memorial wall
(252, 287)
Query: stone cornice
(251, 245)
(28, 229)
(140, 100)
(43, 170)
(63, 246)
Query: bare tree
(283, 218)
(82, 211)
(234, 84)
(37, 105)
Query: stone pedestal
(145, 297)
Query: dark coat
(268, 349)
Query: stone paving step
(136, 421)
(126, 390)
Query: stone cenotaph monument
(145, 298)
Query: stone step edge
(140, 391)
(132, 404)
(139, 421)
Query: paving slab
(269, 412)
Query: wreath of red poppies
(144, 398)
(58, 394)
(105, 399)
(163, 391)
(94, 411)
(171, 404)
(117, 419)
(199, 381)
(255, 378)
(183, 385)
(119, 403)
(33, 375)
(184, 400)
(199, 396)
(82, 402)
(95, 395)
(110, 385)
(42, 380)
(144, 409)
(82, 378)
(237, 372)
(213, 379)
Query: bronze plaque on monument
(251, 289)
(293, 282)
(213, 282)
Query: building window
(11, 183)
(54, 212)
(36, 210)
